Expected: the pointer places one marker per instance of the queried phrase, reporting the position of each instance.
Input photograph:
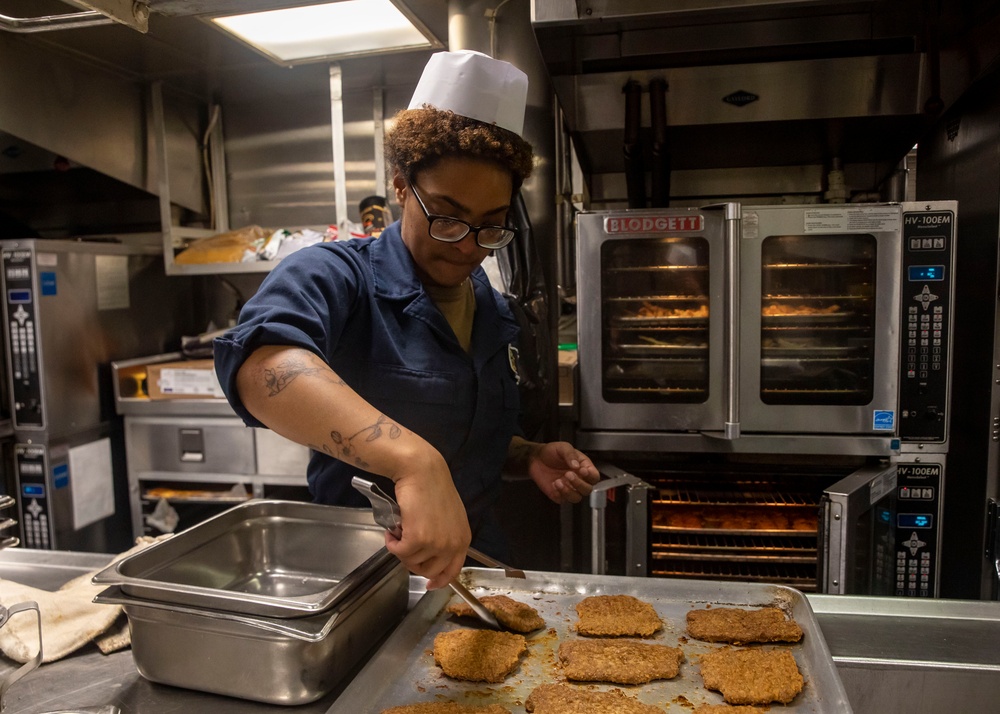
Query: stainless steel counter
(893, 655)
(913, 655)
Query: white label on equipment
(93, 482)
(751, 225)
(881, 485)
(190, 381)
(112, 282)
(855, 219)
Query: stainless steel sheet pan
(402, 671)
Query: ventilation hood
(75, 123)
(762, 98)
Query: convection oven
(70, 307)
(784, 393)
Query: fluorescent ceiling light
(328, 30)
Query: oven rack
(800, 577)
(762, 548)
(747, 494)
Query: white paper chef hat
(474, 85)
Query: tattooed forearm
(375, 430)
(344, 445)
(284, 373)
(519, 453)
(322, 449)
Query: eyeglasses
(451, 230)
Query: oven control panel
(21, 319)
(34, 497)
(918, 499)
(927, 277)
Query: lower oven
(819, 523)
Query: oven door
(651, 304)
(819, 301)
(857, 534)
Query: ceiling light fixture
(333, 30)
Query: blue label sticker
(47, 282)
(60, 476)
(884, 420)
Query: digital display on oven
(18, 296)
(914, 520)
(918, 273)
(33, 490)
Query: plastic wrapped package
(228, 247)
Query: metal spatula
(386, 513)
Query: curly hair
(422, 137)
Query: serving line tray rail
(402, 671)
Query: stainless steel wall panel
(96, 118)
(278, 456)
(280, 158)
(153, 444)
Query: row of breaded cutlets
(604, 653)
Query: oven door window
(655, 319)
(818, 319)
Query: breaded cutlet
(567, 699)
(446, 708)
(618, 661)
(616, 616)
(726, 709)
(737, 626)
(510, 613)
(752, 676)
(478, 655)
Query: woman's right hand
(436, 532)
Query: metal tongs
(387, 515)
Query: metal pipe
(660, 157)
(339, 153)
(635, 173)
(46, 23)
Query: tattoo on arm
(519, 454)
(284, 373)
(324, 449)
(344, 445)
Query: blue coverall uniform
(359, 305)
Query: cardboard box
(190, 379)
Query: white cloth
(70, 618)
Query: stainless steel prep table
(926, 653)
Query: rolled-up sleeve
(304, 302)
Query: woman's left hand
(563, 473)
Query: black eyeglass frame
(432, 217)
